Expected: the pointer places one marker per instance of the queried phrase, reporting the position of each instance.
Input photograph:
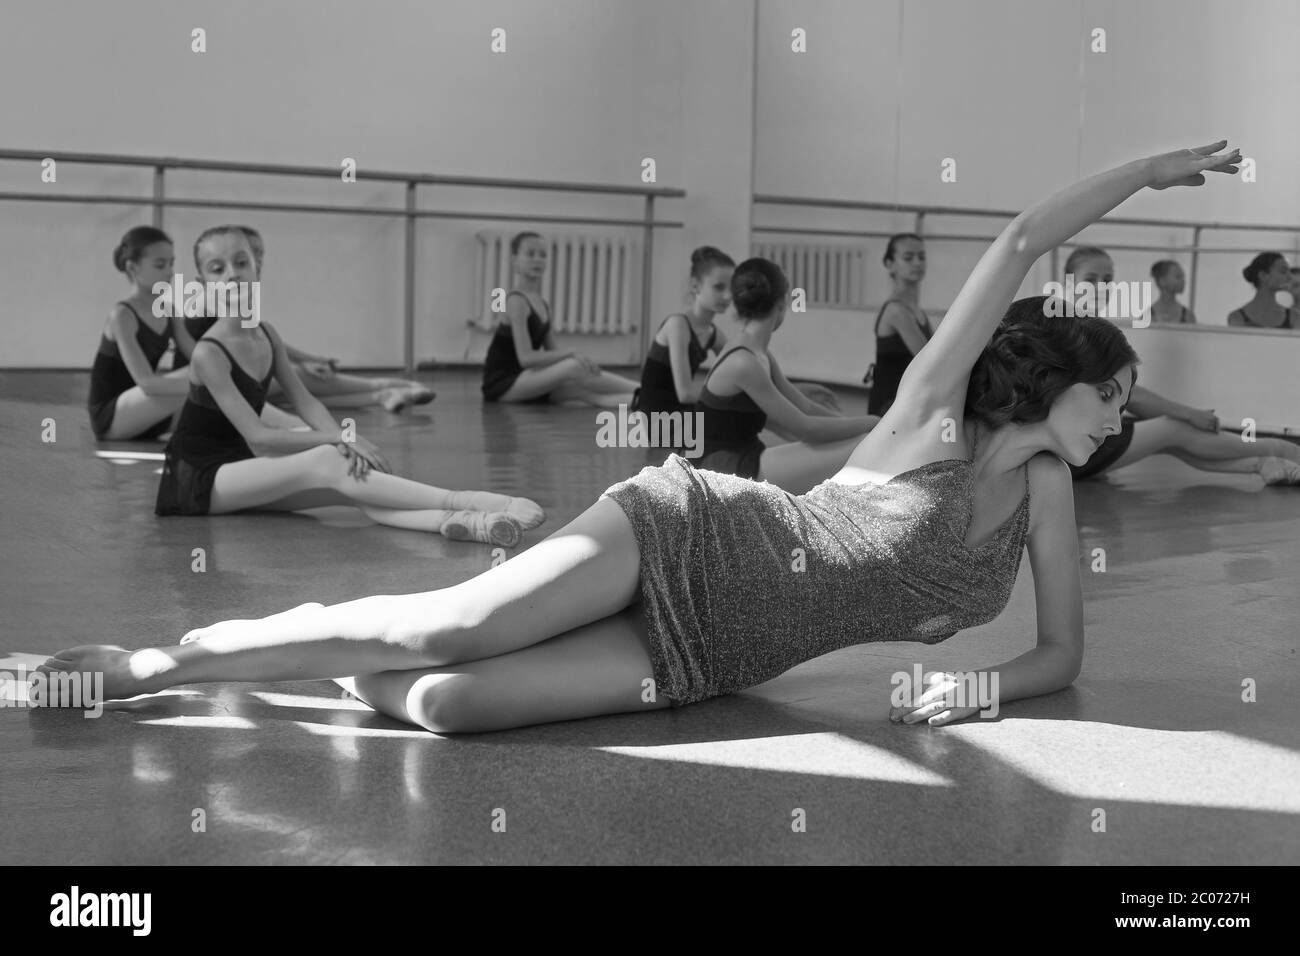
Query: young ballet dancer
(523, 362)
(1189, 434)
(684, 340)
(746, 388)
(917, 538)
(669, 379)
(1170, 280)
(129, 398)
(222, 458)
(1269, 273)
(319, 374)
(902, 327)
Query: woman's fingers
(1210, 147)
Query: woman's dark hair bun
(134, 243)
(1261, 263)
(757, 287)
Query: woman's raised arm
(944, 365)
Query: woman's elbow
(259, 442)
(1071, 666)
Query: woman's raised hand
(1184, 167)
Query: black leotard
(658, 392)
(892, 358)
(731, 427)
(197, 326)
(501, 365)
(1286, 321)
(204, 440)
(109, 376)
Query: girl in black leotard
(523, 362)
(222, 458)
(907, 328)
(1170, 280)
(684, 340)
(128, 397)
(1269, 273)
(746, 387)
(335, 389)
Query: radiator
(829, 275)
(588, 281)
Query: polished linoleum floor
(1152, 756)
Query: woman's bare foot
(267, 624)
(1279, 471)
(126, 673)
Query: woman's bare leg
(536, 382)
(598, 668)
(585, 572)
(354, 391)
(1165, 435)
(799, 466)
(137, 412)
(605, 390)
(259, 482)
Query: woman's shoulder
(1051, 489)
(675, 324)
(894, 312)
(741, 358)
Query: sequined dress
(741, 581)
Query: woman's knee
(448, 703)
(441, 630)
(328, 467)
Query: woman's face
(908, 263)
(713, 292)
(1277, 278)
(227, 257)
(530, 260)
(1173, 281)
(1084, 415)
(1088, 273)
(156, 264)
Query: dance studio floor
(1151, 757)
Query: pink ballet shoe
(495, 527)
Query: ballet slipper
(496, 527)
(392, 399)
(528, 513)
(421, 395)
(1279, 471)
